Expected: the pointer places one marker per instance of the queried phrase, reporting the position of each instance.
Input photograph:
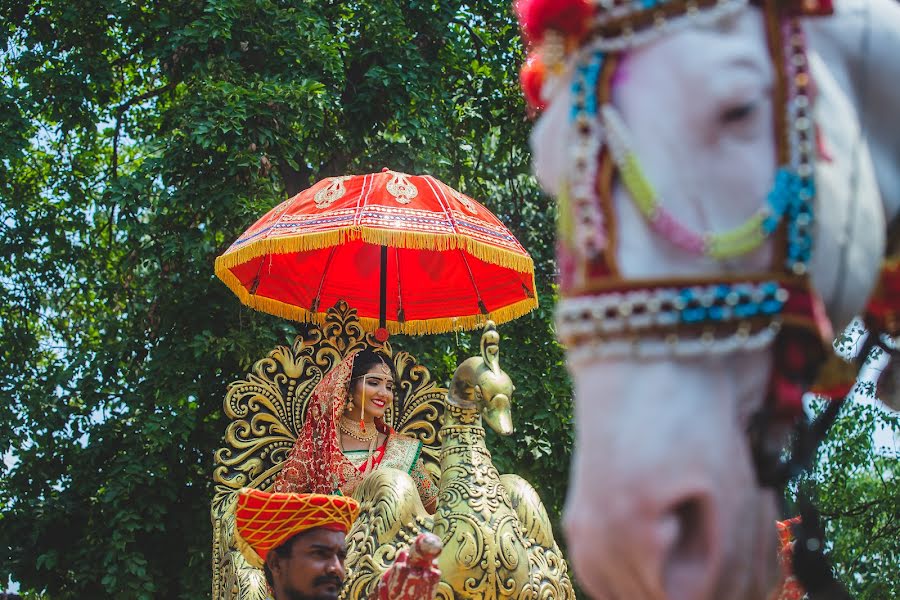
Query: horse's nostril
(690, 541)
(689, 563)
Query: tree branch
(855, 511)
(884, 532)
(119, 112)
(145, 96)
(472, 33)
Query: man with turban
(297, 539)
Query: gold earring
(349, 407)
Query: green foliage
(854, 485)
(137, 141)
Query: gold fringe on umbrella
(419, 327)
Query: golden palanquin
(266, 410)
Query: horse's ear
(490, 347)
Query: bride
(344, 436)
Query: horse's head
(697, 110)
(480, 382)
(664, 502)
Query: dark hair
(368, 358)
(283, 551)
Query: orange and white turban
(266, 520)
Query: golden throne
(266, 410)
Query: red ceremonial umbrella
(409, 252)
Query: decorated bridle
(602, 314)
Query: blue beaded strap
(792, 197)
(726, 302)
(584, 86)
(616, 312)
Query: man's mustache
(329, 578)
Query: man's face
(314, 569)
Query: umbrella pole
(382, 308)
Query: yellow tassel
(422, 327)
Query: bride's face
(376, 389)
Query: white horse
(663, 501)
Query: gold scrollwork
(464, 415)
(498, 541)
(394, 516)
(266, 410)
(497, 538)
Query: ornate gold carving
(498, 541)
(421, 409)
(401, 188)
(332, 192)
(393, 517)
(266, 410)
(463, 414)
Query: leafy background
(137, 140)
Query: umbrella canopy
(408, 252)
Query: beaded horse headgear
(604, 314)
(601, 314)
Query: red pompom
(531, 78)
(569, 17)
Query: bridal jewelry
(352, 428)
(370, 459)
(362, 407)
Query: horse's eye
(735, 114)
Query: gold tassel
(421, 327)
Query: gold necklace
(351, 427)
